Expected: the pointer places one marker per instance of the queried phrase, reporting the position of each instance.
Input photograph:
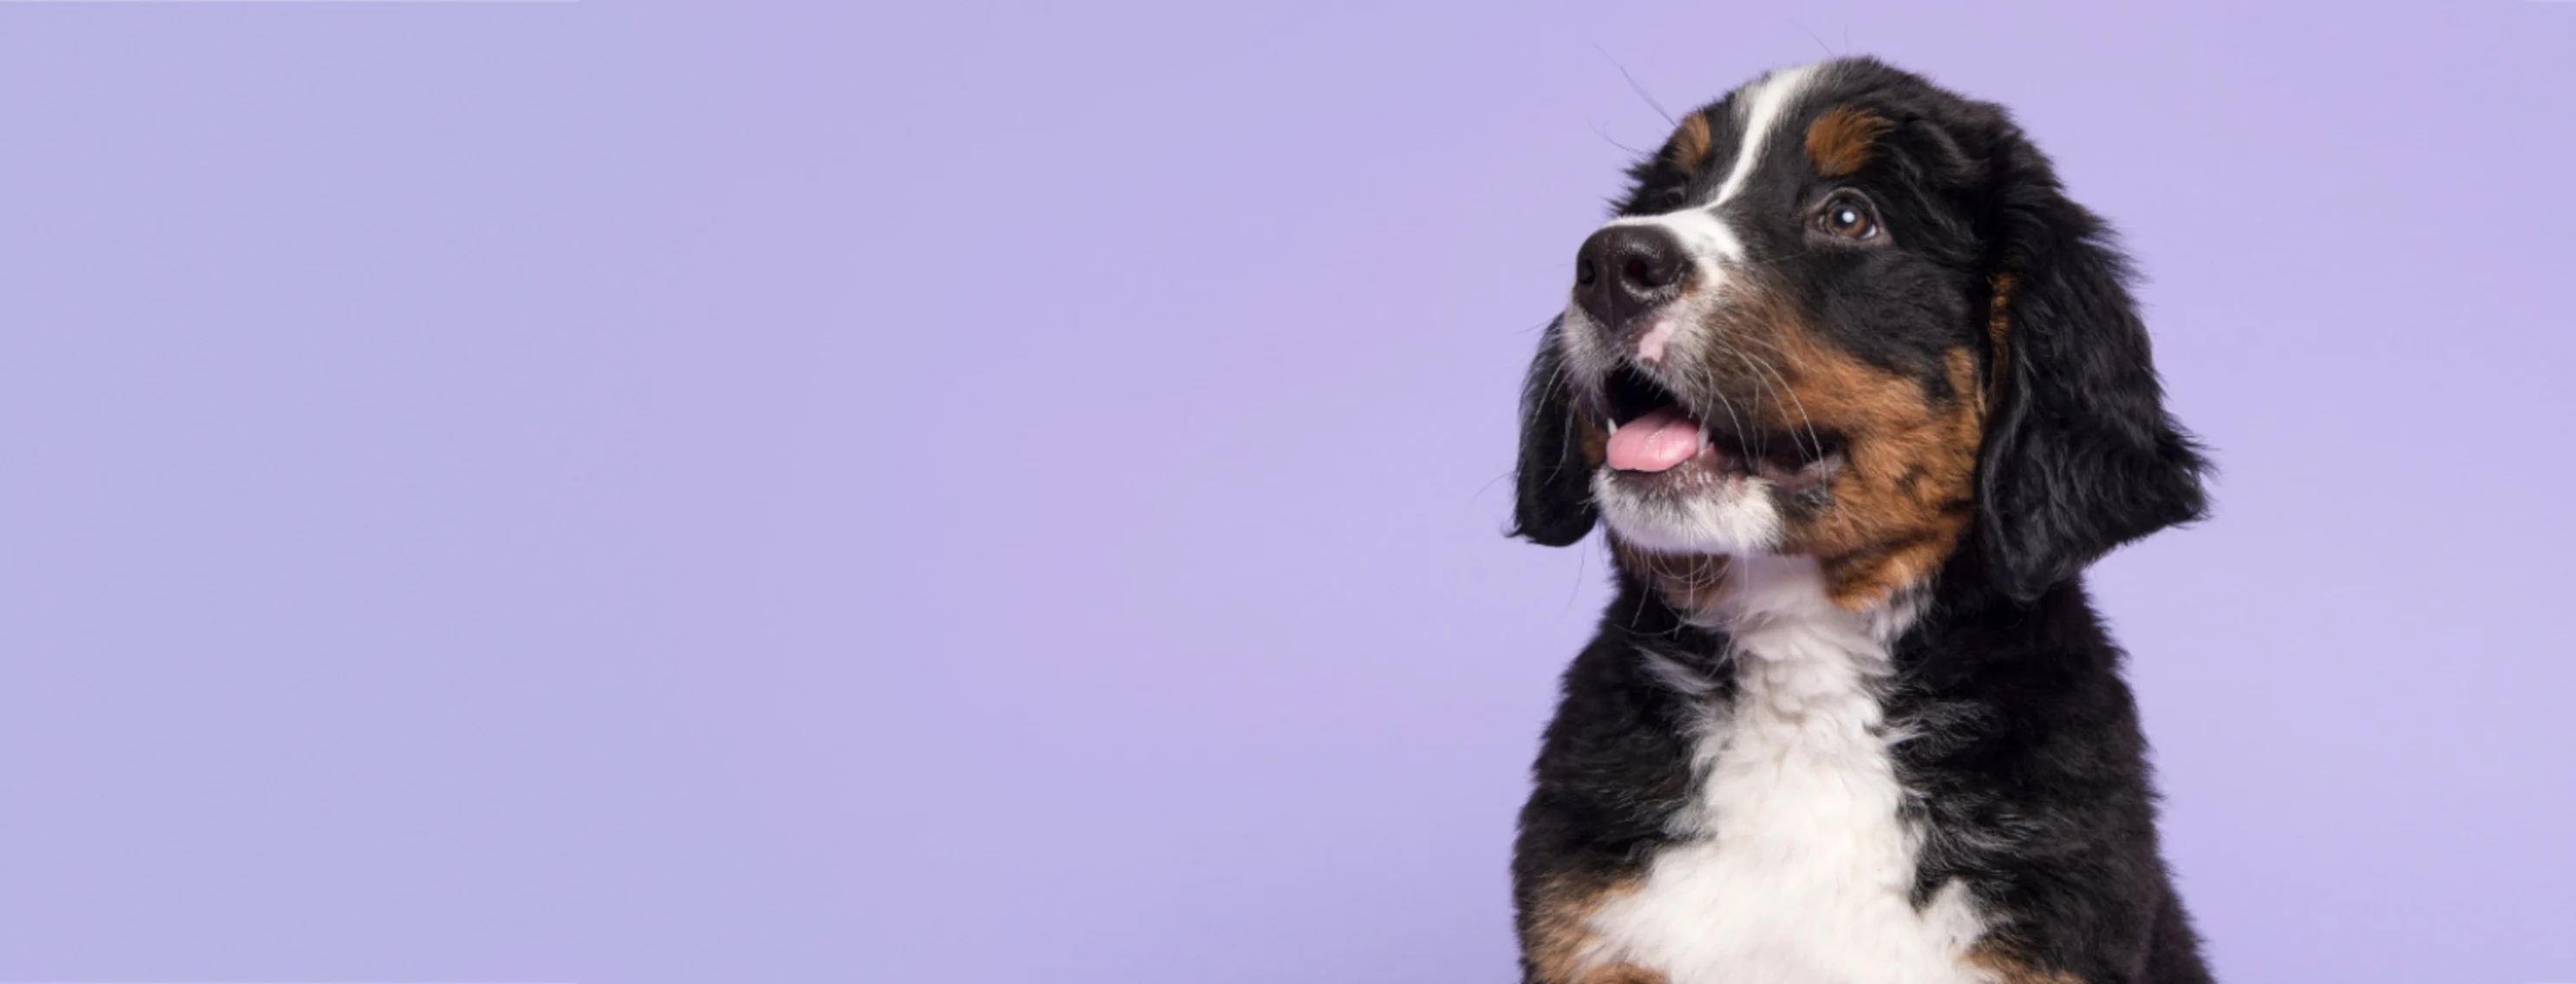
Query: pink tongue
(1655, 442)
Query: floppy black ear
(2080, 456)
(1555, 480)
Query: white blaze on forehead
(1764, 106)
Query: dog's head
(1846, 314)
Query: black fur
(2080, 455)
(1554, 505)
(2029, 777)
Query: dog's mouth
(1653, 433)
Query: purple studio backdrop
(625, 492)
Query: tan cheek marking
(1897, 509)
(1557, 939)
(1594, 437)
(1838, 143)
(1688, 148)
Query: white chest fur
(1791, 864)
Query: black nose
(1625, 270)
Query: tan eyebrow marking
(1839, 141)
(1690, 142)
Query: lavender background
(623, 492)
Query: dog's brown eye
(1847, 215)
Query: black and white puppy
(1858, 392)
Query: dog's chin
(1692, 509)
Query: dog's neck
(1793, 846)
(1735, 594)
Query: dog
(1857, 392)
